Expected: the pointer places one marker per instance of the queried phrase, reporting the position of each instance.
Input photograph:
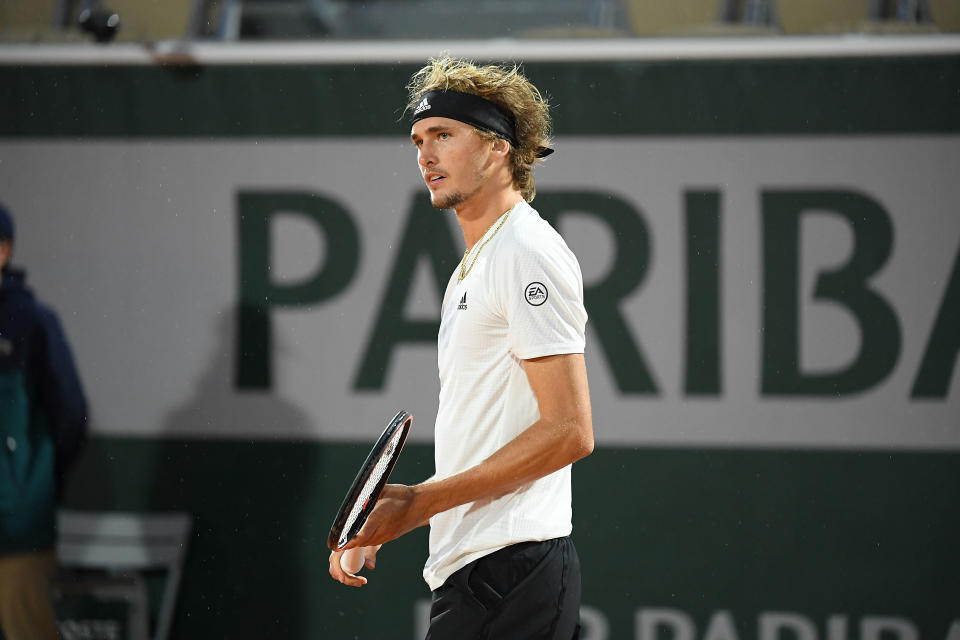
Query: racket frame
(401, 422)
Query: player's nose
(426, 157)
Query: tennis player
(514, 404)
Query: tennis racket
(367, 486)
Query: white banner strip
(405, 51)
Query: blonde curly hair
(508, 88)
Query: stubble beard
(449, 201)
(456, 198)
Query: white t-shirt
(522, 298)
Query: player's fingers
(338, 574)
(357, 541)
(336, 571)
(353, 581)
(365, 536)
(370, 554)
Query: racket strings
(369, 486)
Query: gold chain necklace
(464, 271)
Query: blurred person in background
(43, 422)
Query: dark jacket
(43, 417)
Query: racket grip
(352, 560)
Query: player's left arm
(562, 435)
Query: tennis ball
(352, 560)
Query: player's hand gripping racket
(367, 486)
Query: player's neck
(480, 212)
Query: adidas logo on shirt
(423, 106)
(463, 302)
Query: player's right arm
(562, 435)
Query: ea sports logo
(535, 293)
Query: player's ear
(501, 146)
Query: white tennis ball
(352, 560)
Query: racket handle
(352, 560)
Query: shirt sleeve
(540, 293)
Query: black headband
(473, 110)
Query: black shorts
(526, 591)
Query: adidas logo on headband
(423, 106)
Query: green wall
(688, 97)
(812, 532)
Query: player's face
(454, 160)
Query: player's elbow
(586, 445)
(582, 440)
